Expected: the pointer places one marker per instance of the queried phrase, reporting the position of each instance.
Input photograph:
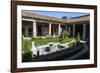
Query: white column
(74, 30)
(84, 31)
(49, 29)
(59, 29)
(34, 29)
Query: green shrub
(37, 38)
(63, 36)
(70, 44)
(76, 48)
(27, 57)
(26, 46)
(66, 34)
(45, 40)
(49, 37)
(78, 37)
(40, 42)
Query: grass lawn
(44, 41)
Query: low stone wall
(61, 54)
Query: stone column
(74, 30)
(59, 29)
(84, 31)
(34, 29)
(49, 29)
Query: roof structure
(45, 17)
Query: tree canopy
(64, 17)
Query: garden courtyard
(48, 38)
(36, 49)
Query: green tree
(64, 17)
(61, 37)
(64, 35)
(78, 37)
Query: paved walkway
(82, 52)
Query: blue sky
(60, 14)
